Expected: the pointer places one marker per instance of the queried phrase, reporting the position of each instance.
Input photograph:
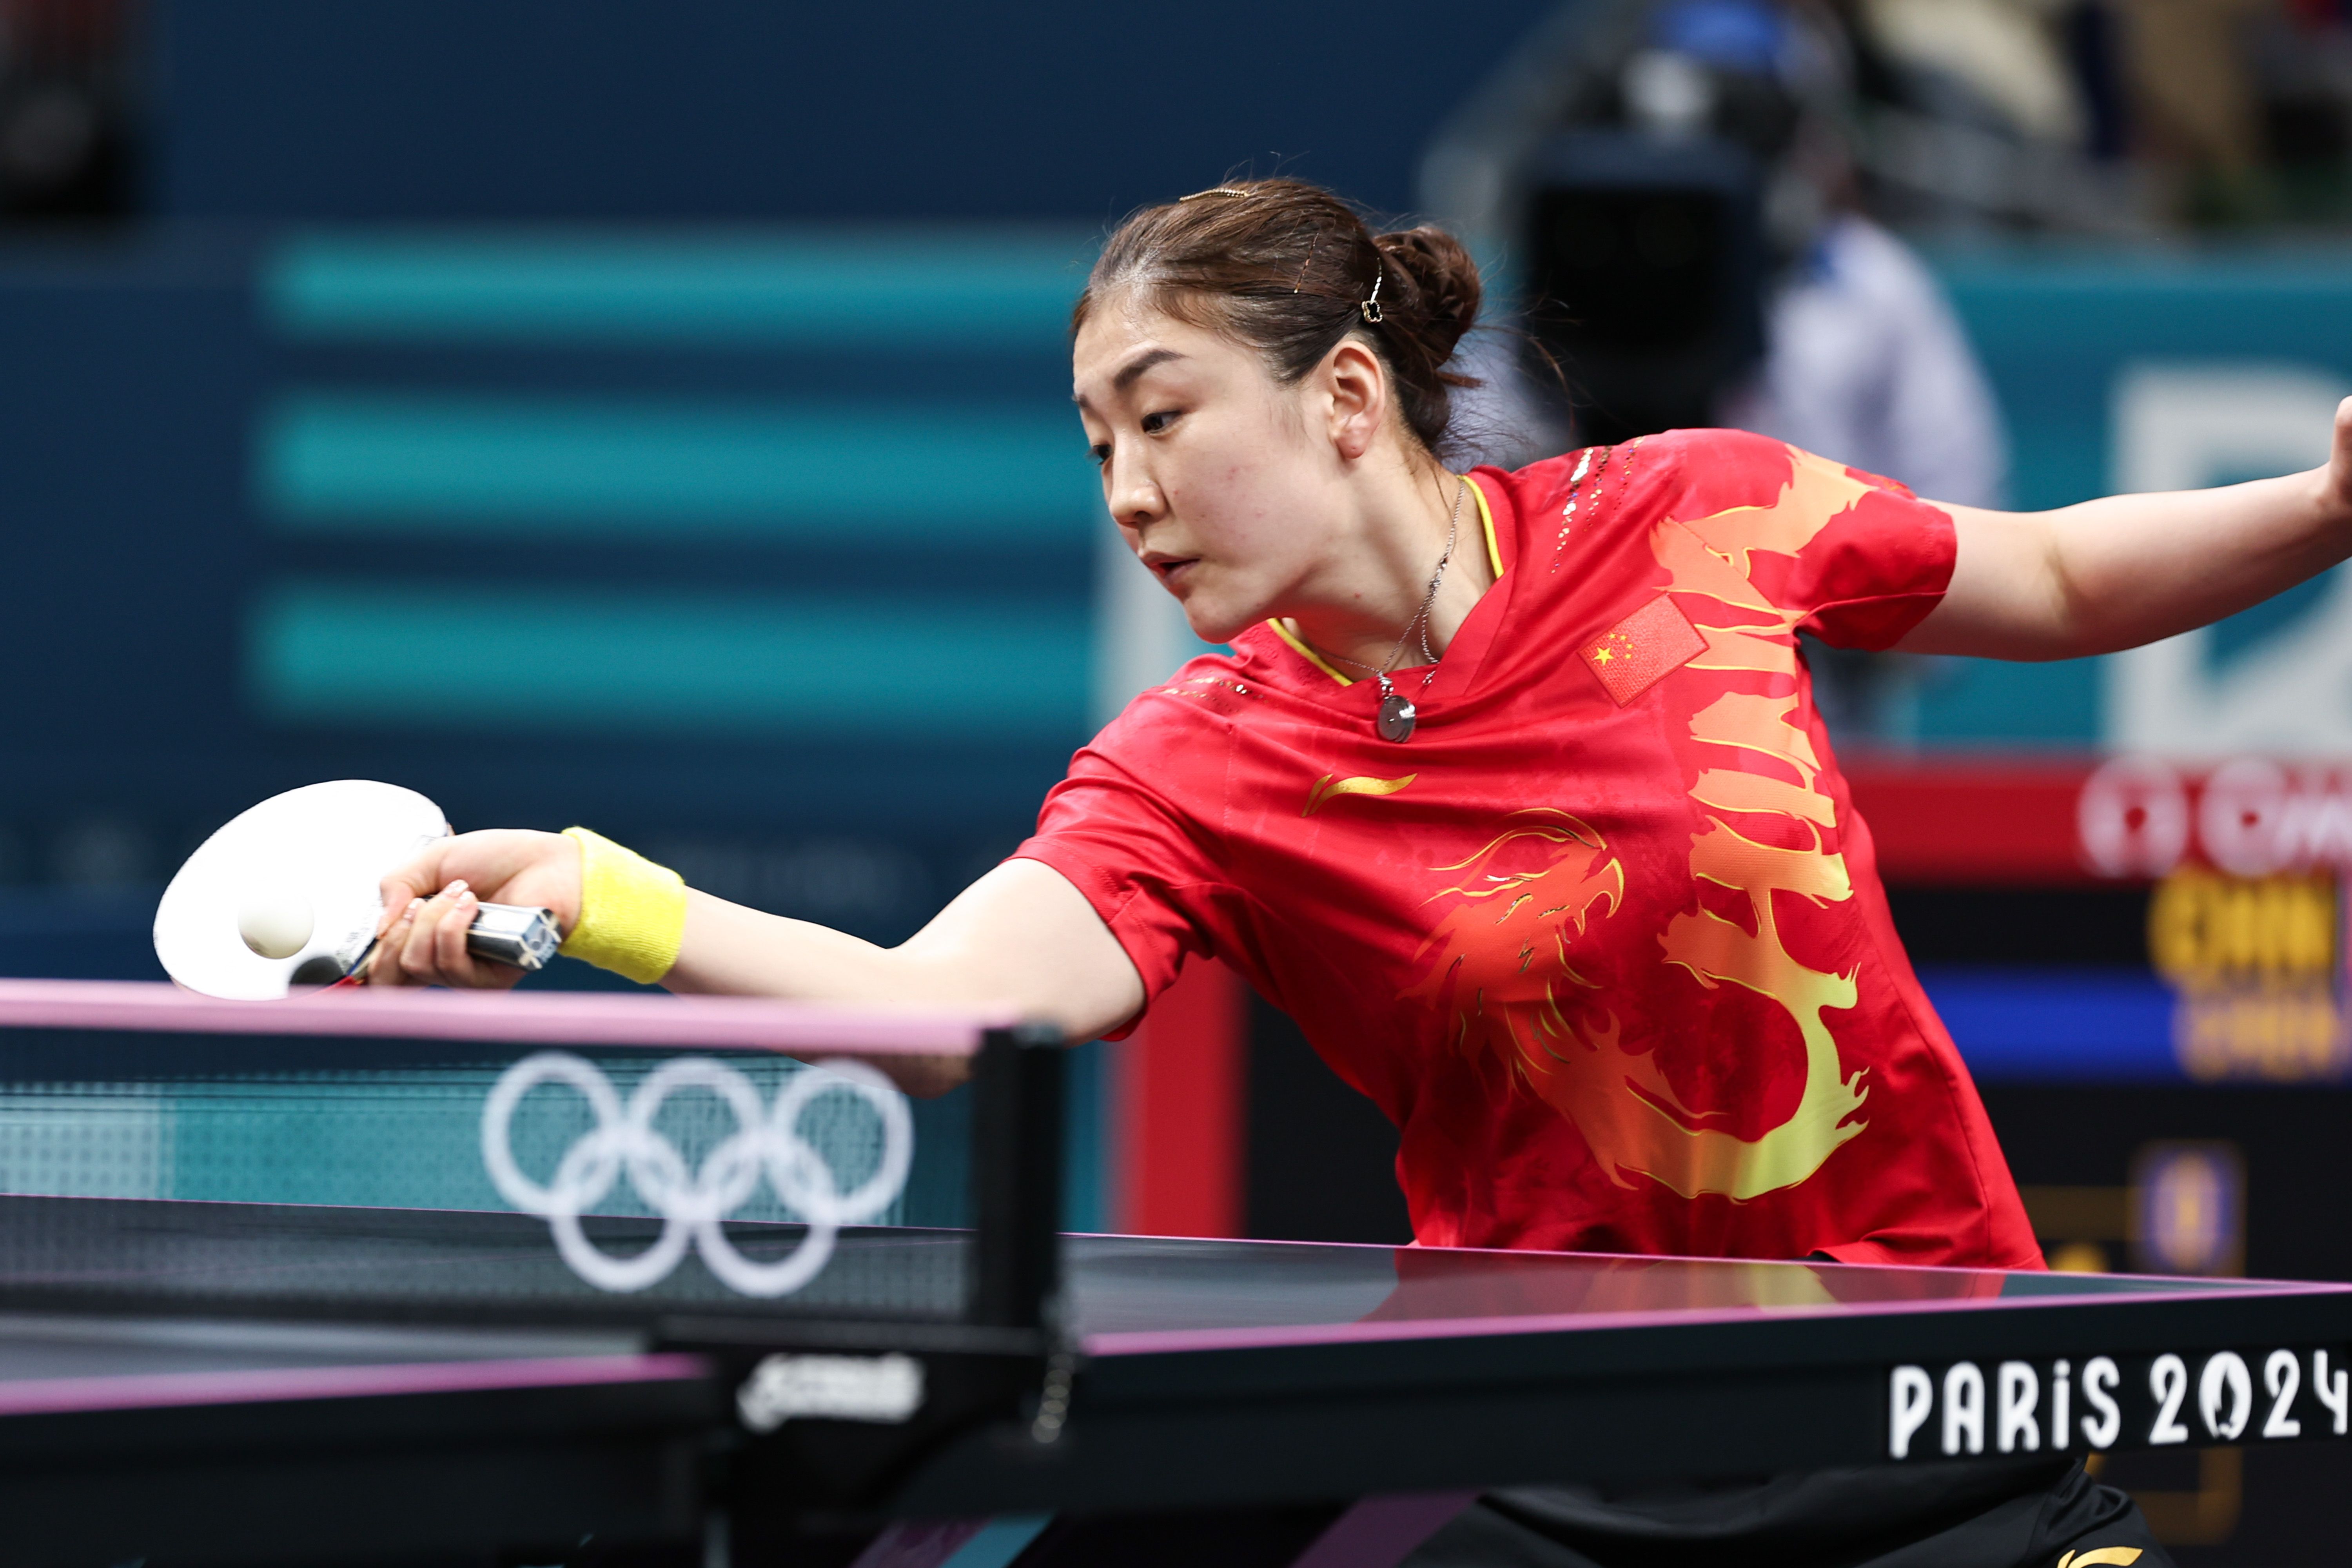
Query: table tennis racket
(285, 894)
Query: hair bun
(1445, 292)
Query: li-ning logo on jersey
(1501, 958)
(1330, 787)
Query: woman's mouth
(1174, 573)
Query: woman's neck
(1364, 614)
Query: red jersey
(1605, 937)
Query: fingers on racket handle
(516, 934)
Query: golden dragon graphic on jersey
(1501, 958)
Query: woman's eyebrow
(1128, 373)
(1139, 364)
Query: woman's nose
(1132, 496)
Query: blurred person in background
(2194, 96)
(65, 114)
(1862, 353)
(2002, 62)
(2103, 116)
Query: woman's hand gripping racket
(290, 893)
(441, 904)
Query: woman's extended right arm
(1021, 936)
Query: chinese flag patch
(1632, 656)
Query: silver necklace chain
(1420, 622)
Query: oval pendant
(1397, 719)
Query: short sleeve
(1855, 559)
(1126, 829)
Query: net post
(1017, 1175)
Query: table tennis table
(253, 1383)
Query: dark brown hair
(1285, 268)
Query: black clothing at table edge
(1978, 1514)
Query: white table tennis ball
(276, 925)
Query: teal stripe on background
(2055, 325)
(342, 463)
(921, 288)
(655, 662)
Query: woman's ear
(1358, 385)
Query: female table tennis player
(1513, 792)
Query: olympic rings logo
(692, 1203)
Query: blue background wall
(2055, 326)
(506, 109)
(771, 546)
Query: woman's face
(1221, 479)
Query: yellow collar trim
(1308, 653)
(1487, 520)
(1494, 559)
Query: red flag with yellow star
(1632, 656)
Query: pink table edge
(1157, 1341)
(569, 1019)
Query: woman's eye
(1100, 453)
(1155, 423)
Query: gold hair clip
(1370, 306)
(1218, 191)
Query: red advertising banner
(2044, 822)
(1978, 821)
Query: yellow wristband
(631, 911)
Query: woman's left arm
(2126, 570)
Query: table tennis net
(409, 1138)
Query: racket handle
(514, 934)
